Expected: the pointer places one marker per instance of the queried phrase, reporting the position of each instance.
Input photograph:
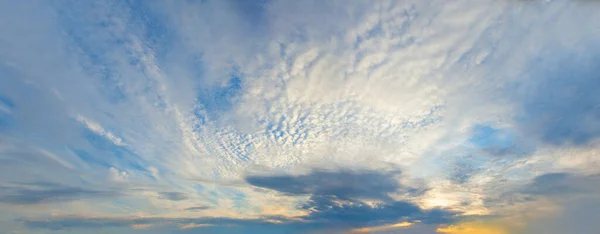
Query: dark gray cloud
(337, 197)
(42, 192)
(336, 202)
(64, 223)
(462, 172)
(577, 216)
(562, 103)
(355, 213)
(556, 184)
(341, 184)
(214, 225)
(174, 196)
(198, 208)
(577, 194)
(77, 222)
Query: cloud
(194, 225)
(468, 99)
(338, 198)
(382, 228)
(578, 216)
(196, 208)
(174, 196)
(77, 222)
(36, 193)
(154, 172)
(550, 203)
(561, 184)
(559, 105)
(96, 128)
(200, 225)
(499, 142)
(117, 175)
(342, 184)
(462, 172)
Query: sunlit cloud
(382, 228)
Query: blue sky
(273, 116)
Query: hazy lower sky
(300, 116)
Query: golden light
(474, 228)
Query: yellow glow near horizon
(473, 228)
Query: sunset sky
(300, 116)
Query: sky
(312, 116)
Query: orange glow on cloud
(382, 228)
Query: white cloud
(154, 172)
(118, 176)
(96, 128)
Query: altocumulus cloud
(130, 116)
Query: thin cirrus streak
(299, 116)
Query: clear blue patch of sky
(83, 38)
(252, 13)
(500, 141)
(156, 32)
(487, 136)
(6, 119)
(94, 39)
(217, 100)
(89, 159)
(7, 102)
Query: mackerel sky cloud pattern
(273, 116)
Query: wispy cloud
(47, 193)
